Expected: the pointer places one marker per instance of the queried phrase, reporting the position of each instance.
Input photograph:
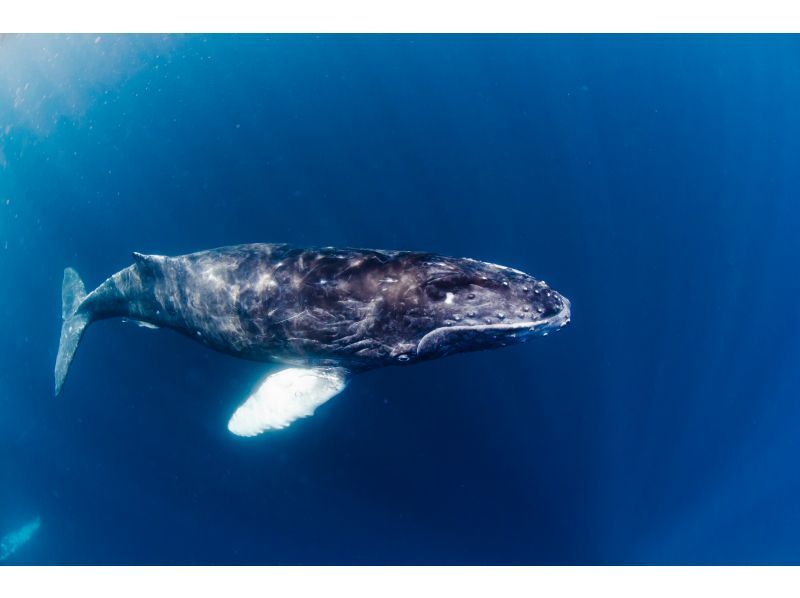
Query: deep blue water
(654, 181)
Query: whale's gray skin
(346, 309)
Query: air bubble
(488, 320)
(524, 289)
(526, 308)
(471, 314)
(403, 358)
(501, 315)
(471, 296)
(505, 283)
(457, 317)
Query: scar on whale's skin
(325, 313)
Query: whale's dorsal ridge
(147, 263)
(144, 258)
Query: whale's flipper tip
(285, 396)
(72, 295)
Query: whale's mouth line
(536, 327)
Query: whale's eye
(435, 292)
(444, 287)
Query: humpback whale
(325, 313)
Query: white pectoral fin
(285, 396)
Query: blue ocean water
(653, 180)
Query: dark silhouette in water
(329, 312)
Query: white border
(395, 16)
(400, 582)
(327, 16)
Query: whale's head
(468, 305)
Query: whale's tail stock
(75, 320)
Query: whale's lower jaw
(493, 334)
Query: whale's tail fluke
(72, 294)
